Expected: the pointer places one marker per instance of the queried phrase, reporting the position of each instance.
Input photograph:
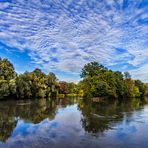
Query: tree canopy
(97, 81)
(7, 71)
(35, 84)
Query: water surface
(73, 123)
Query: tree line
(35, 84)
(97, 81)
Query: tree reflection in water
(98, 117)
(95, 117)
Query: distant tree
(7, 71)
(4, 89)
(52, 86)
(146, 89)
(23, 86)
(72, 88)
(63, 87)
(127, 75)
(140, 85)
(97, 81)
(92, 69)
(38, 87)
(99, 88)
(36, 84)
(136, 92)
(7, 79)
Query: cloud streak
(63, 35)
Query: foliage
(33, 84)
(4, 89)
(146, 89)
(7, 79)
(98, 81)
(92, 69)
(67, 88)
(141, 87)
(6, 70)
(36, 84)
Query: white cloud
(80, 31)
(140, 73)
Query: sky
(61, 36)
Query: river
(73, 123)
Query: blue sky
(63, 35)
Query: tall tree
(127, 75)
(7, 71)
(92, 69)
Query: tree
(101, 82)
(92, 69)
(146, 89)
(38, 87)
(127, 75)
(141, 87)
(4, 89)
(72, 88)
(63, 87)
(52, 86)
(136, 92)
(36, 84)
(7, 71)
(23, 86)
(99, 88)
(7, 79)
(98, 81)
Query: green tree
(101, 82)
(92, 69)
(141, 87)
(7, 71)
(136, 92)
(4, 89)
(127, 75)
(52, 86)
(63, 87)
(23, 86)
(36, 84)
(7, 79)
